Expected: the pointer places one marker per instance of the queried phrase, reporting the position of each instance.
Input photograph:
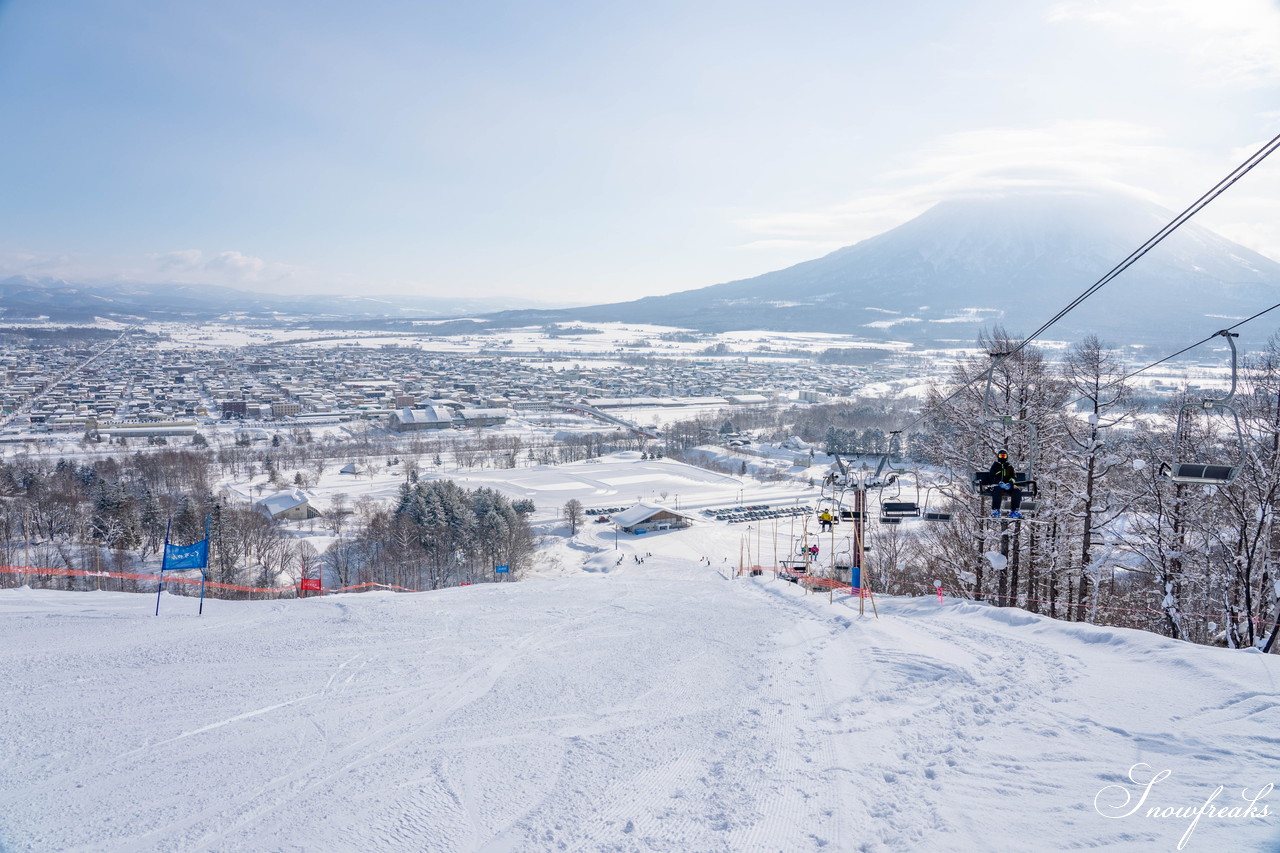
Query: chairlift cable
(1172, 356)
(1151, 242)
(1195, 207)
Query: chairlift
(880, 479)
(984, 482)
(845, 480)
(832, 502)
(899, 509)
(927, 514)
(831, 505)
(1207, 473)
(895, 510)
(895, 446)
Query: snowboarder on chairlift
(825, 520)
(1006, 480)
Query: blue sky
(592, 151)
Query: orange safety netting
(81, 573)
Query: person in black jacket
(1005, 481)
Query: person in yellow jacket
(826, 519)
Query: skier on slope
(1005, 480)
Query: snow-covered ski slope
(650, 707)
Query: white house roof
(639, 513)
(283, 501)
(425, 415)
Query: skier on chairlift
(1006, 480)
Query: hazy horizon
(588, 152)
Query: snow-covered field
(636, 706)
(596, 339)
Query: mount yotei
(964, 264)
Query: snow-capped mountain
(1013, 260)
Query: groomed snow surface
(655, 706)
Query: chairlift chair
(985, 485)
(899, 509)
(983, 482)
(893, 511)
(927, 514)
(1202, 473)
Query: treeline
(1113, 541)
(294, 457)
(854, 442)
(438, 534)
(114, 514)
(63, 335)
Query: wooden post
(775, 546)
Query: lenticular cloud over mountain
(1013, 260)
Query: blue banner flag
(194, 556)
(177, 557)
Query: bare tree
(573, 514)
(1094, 373)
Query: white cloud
(1229, 42)
(238, 264)
(183, 259)
(1105, 155)
(183, 266)
(231, 267)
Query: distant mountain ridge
(25, 297)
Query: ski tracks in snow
(389, 725)
(889, 734)
(656, 709)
